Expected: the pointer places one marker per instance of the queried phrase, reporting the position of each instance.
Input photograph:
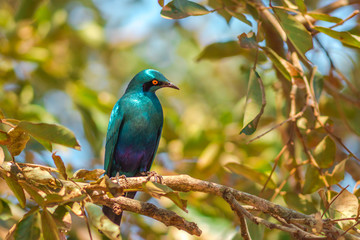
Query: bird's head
(149, 80)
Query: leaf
(39, 176)
(18, 141)
(178, 9)
(208, 156)
(324, 17)
(88, 175)
(301, 5)
(288, 70)
(312, 180)
(220, 50)
(161, 3)
(101, 222)
(250, 174)
(5, 211)
(50, 132)
(4, 138)
(239, 16)
(318, 85)
(158, 190)
(300, 202)
(337, 173)
(345, 37)
(16, 189)
(62, 218)
(190, 8)
(48, 226)
(27, 228)
(47, 145)
(59, 165)
(169, 11)
(346, 205)
(255, 104)
(295, 31)
(248, 40)
(325, 152)
(2, 115)
(33, 192)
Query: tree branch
(291, 221)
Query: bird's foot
(118, 177)
(152, 174)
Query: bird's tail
(113, 216)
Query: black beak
(170, 85)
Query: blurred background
(69, 61)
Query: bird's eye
(155, 82)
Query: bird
(134, 130)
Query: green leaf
(101, 222)
(18, 141)
(255, 104)
(48, 226)
(158, 190)
(239, 16)
(47, 145)
(346, 205)
(345, 37)
(312, 180)
(250, 174)
(295, 31)
(4, 138)
(337, 173)
(324, 17)
(27, 228)
(171, 12)
(190, 8)
(33, 192)
(59, 165)
(300, 202)
(301, 5)
(325, 152)
(50, 132)
(220, 50)
(318, 85)
(62, 218)
(288, 70)
(5, 211)
(89, 175)
(16, 189)
(2, 115)
(247, 40)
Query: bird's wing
(115, 125)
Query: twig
(298, 115)
(276, 160)
(167, 217)
(243, 227)
(333, 200)
(297, 232)
(353, 14)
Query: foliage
(282, 85)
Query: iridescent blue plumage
(134, 129)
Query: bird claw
(152, 174)
(118, 177)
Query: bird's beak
(170, 85)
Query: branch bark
(297, 224)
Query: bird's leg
(118, 177)
(149, 174)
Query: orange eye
(155, 82)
